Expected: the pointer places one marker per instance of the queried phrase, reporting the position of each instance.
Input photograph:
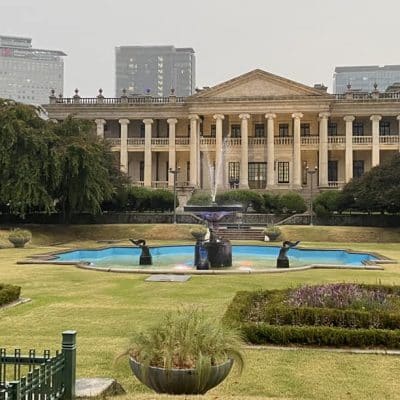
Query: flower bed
(331, 315)
(8, 294)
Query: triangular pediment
(258, 83)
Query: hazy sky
(299, 39)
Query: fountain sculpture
(145, 256)
(283, 261)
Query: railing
(336, 184)
(368, 96)
(209, 141)
(182, 140)
(138, 183)
(114, 141)
(182, 183)
(35, 377)
(390, 139)
(160, 141)
(283, 140)
(257, 141)
(159, 184)
(233, 142)
(117, 100)
(337, 139)
(135, 141)
(309, 140)
(362, 139)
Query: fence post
(15, 390)
(69, 373)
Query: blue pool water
(181, 257)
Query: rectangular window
(257, 175)
(283, 130)
(332, 170)
(305, 130)
(234, 174)
(213, 130)
(283, 172)
(142, 130)
(304, 173)
(358, 128)
(259, 130)
(141, 171)
(384, 128)
(235, 131)
(358, 168)
(188, 171)
(332, 129)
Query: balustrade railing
(233, 142)
(390, 139)
(138, 183)
(160, 141)
(283, 140)
(182, 140)
(336, 184)
(135, 141)
(207, 141)
(117, 100)
(337, 139)
(159, 184)
(114, 141)
(362, 139)
(35, 377)
(253, 141)
(309, 140)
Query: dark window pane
(384, 128)
(235, 131)
(259, 130)
(358, 129)
(283, 172)
(305, 129)
(358, 168)
(283, 130)
(332, 129)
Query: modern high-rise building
(365, 78)
(154, 70)
(27, 74)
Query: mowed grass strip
(105, 308)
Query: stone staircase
(241, 233)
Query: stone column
(398, 133)
(193, 149)
(147, 153)
(100, 127)
(171, 149)
(124, 145)
(375, 139)
(219, 168)
(244, 162)
(296, 151)
(323, 149)
(349, 148)
(270, 150)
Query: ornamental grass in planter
(184, 353)
(199, 232)
(273, 232)
(19, 237)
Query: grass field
(105, 308)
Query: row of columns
(270, 152)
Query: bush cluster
(19, 237)
(200, 199)
(9, 293)
(266, 317)
(131, 198)
(243, 197)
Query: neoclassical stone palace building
(264, 131)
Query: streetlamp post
(311, 173)
(175, 172)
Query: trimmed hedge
(9, 293)
(243, 197)
(264, 318)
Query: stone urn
(180, 381)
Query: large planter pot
(18, 243)
(180, 381)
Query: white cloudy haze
(301, 40)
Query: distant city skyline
(301, 41)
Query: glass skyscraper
(363, 78)
(154, 70)
(27, 74)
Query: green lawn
(104, 308)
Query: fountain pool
(180, 258)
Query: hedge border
(8, 294)
(264, 332)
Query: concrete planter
(180, 381)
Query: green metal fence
(39, 377)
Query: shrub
(292, 202)
(243, 197)
(9, 293)
(285, 316)
(326, 203)
(161, 200)
(199, 232)
(19, 237)
(200, 199)
(272, 203)
(272, 231)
